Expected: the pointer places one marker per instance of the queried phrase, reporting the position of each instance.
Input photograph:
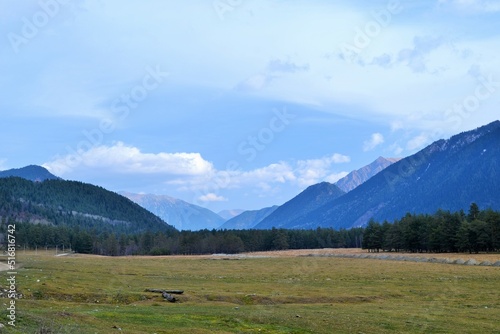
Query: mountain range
(448, 174)
(309, 200)
(182, 215)
(185, 216)
(248, 219)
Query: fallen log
(174, 292)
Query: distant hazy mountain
(448, 174)
(176, 212)
(357, 177)
(248, 219)
(309, 200)
(32, 173)
(228, 214)
(59, 202)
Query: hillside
(248, 219)
(71, 203)
(32, 173)
(176, 212)
(307, 201)
(448, 174)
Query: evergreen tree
(479, 237)
(83, 243)
(473, 212)
(463, 240)
(373, 238)
(279, 239)
(394, 237)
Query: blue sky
(238, 103)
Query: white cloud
(189, 173)
(274, 173)
(211, 197)
(301, 173)
(304, 172)
(121, 158)
(375, 140)
(262, 179)
(339, 158)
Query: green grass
(254, 295)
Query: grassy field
(91, 294)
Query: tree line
(179, 242)
(443, 231)
(477, 231)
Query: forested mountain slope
(307, 201)
(60, 202)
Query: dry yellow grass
(349, 251)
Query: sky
(238, 104)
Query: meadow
(262, 293)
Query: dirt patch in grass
(492, 257)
